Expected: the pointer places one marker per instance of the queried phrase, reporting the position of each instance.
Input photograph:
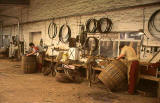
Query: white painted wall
(123, 20)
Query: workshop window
(108, 48)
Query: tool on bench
(154, 56)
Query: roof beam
(14, 2)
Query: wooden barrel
(29, 64)
(3, 50)
(114, 74)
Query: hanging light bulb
(141, 32)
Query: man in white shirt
(133, 66)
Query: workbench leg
(94, 75)
(90, 75)
(158, 93)
(87, 74)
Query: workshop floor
(16, 87)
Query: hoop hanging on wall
(83, 35)
(96, 41)
(153, 24)
(52, 27)
(108, 23)
(88, 25)
(68, 35)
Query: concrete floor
(16, 87)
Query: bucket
(29, 64)
(113, 74)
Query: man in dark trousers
(133, 66)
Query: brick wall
(123, 20)
(44, 9)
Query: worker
(13, 50)
(133, 66)
(41, 51)
(34, 49)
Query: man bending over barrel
(34, 49)
(133, 66)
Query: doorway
(35, 37)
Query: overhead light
(141, 33)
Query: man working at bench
(133, 66)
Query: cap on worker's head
(31, 44)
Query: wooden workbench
(153, 78)
(147, 77)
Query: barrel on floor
(29, 64)
(113, 74)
